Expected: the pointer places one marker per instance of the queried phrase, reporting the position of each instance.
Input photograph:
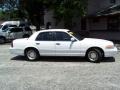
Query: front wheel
(94, 55)
(32, 54)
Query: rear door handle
(37, 43)
(57, 43)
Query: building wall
(99, 5)
(1, 22)
(49, 17)
(97, 24)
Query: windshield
(76, 35)
(5, 30)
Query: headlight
(109, 47)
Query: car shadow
(61, 59)
(108, 59)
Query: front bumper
(111, 52)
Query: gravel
(55, 73)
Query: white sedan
(62, 42)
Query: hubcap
(92, 55)
(31, 54)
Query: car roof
(51, 30)
(14, 27)
(47, 30)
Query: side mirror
(73, 39)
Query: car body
(7, 25)
(62, 42)
(12, 33)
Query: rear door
(45, 43)
(16, 33)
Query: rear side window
(62, 36)
(12, 25)
(16, 30)
(45, 36)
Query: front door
(63, 44)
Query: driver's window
(62, 36)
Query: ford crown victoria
(62, 42)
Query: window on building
(112, 1)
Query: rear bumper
(16, 51)
(111, 52)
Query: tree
(10, 10)
(35, 11)
(66, 10)
(11, 4)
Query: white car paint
(66, 48)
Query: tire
(32, 54)
(2, 40)
(94, 55)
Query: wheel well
(31, 48)
(96, 48)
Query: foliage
(11, 11)
(66, 10)
(12, 15)
(35, 11)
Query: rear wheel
(94, 55)
(2, 40)
(32, 54)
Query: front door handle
(57, 43)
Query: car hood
(97, 41)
